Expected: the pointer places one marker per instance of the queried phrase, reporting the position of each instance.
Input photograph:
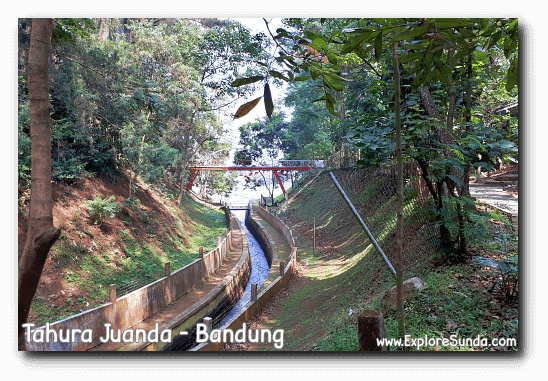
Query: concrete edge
(252, 308)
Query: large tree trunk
(41, 233)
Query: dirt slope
(128, 250)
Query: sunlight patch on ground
(335, 267)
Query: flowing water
(259, 268)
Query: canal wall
(254, 306)
(122, 313)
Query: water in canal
(259, 267)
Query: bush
(69, 170)
(99, 209)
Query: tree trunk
(399, 222)
(41, 234)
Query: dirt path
(492, 194)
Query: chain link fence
(372, 192)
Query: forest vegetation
(130, 103)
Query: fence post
(314, 238)
(253, 292)
(167, 273)
(282, 268)
(209, 326)
(201, 252)
(112, 293)
(370, 328)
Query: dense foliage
(144, 95)
(458, 105)
(137, 94)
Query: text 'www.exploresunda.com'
(452, 341)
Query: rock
(410, 288)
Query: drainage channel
(259, 267)
(259, 272)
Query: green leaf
(378, 46)
(331, 107)
(513, 26)
(303, 78)
(352, 44)
(275, 74)
(411, 57)
(319, 43)
(246, 81)
(447, 23)
(333, 83)
(513, 76)
(332, 58)
(411, 34)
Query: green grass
(316, 316)
(137, 262)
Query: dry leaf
(268, 104)
(246, 108)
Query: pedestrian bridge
(237, 205)
(288, 165)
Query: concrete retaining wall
(219, 300)
(252, 308)
(131, 309)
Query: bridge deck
(248, 168)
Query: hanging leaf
(513, 76)
(246, 108)
(246, 81)
(378, 46)
(268, 104)
(331, 107)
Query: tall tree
(41, 233)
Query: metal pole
(363, 224)
(280, 181)
(314, 238)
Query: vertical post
(370, 328)
(314, 238)
(192, 179)
(253, 292)
(279, 181)
(399, 202)
(209, 325)
(112, 293)
(167, 283)
(282, 268)
(201, 252)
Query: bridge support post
(201, 252)
(192, 180)
(209, 325)
(282, 268)
(280, 181)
